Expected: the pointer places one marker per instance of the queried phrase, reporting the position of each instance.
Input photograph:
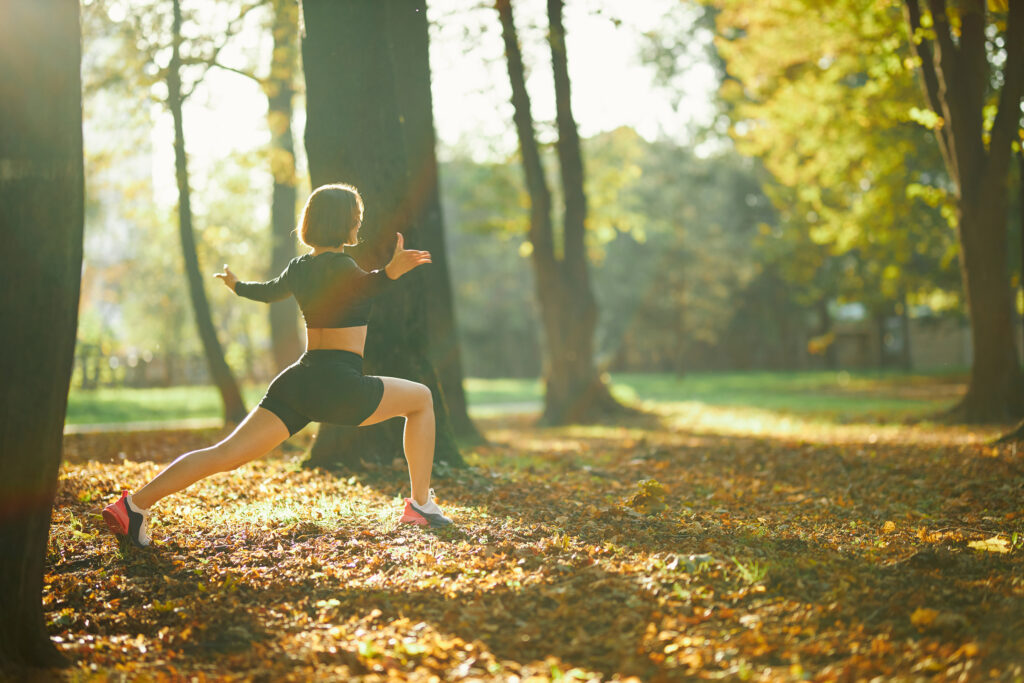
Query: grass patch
(123, 404)
(833, 396)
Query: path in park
(485, 410)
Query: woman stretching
(327, 383)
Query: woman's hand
(404, 260)
(227, 277)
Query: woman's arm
(273, 290)
(402, 261)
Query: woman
(327, 383)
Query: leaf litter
(667, 547)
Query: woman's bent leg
(258, 434)
(414, 402)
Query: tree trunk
(587, 395)
(41, 215)
(280, 89)
(995, 391)
(220, 373)
(413, 92)
(369, 123)
(1020, 217)
(574, 391)
(955, 76)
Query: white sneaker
(124, 519)
(424, 515)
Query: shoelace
(430, 506)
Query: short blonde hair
(331, 213)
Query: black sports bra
(331, 288)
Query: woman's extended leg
(258, 434)
(414, 402)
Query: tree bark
(369, 123)
(955, 78)
(41, 217)
(415, 101)
(220, 373)
(574, 391)
(280, 90)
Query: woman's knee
(424, 399)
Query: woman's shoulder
(324, 262)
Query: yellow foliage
(923, 617)
(995, 544)
(649, 499)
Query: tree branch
(949, 73)
(1008, 117)
(241, 72)
(232, 29)
(972, 75)
(930, 80)
(541, 231)
(946, 53)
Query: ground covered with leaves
(693, 542)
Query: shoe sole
(114, 523)
(419, 520)
(414, 519)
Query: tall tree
(369, 123)
(231, 397)
(41, 219)
(151, 31)
(420, 141)
(966, 79)
(574, 390)
(862, 195)
(280, 89)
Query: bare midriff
(343, 338)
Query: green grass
(820, 393)
(116, 405)
(833, 395)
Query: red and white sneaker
(424, 515)
(124, 519)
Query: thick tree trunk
(1020, 219)
(220, 373)
(41, 215)
(955, 76)
(587, 397)
(415, 101)
(995, 391)
(369, 123)
(280, 89)
(574, 391)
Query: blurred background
(764, 192)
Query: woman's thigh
(401, 397)
(257, 435)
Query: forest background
(692, 259)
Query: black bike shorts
(324, 385)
